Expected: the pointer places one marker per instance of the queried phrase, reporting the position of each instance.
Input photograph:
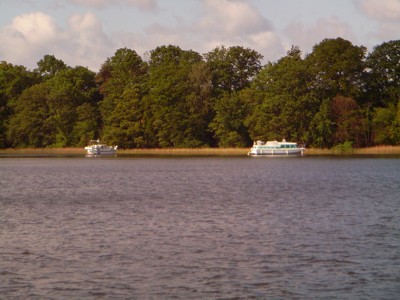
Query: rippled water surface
(200, 228)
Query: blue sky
(87, 32)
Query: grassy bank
(378, 150)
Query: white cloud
(230, 17)
(307, 36)
(141, 4)
(25, 37)
(384, 10)
(223, 22)
(34, 27)
(386, 13)
(85, 40)
(237, 22)
(31, 36)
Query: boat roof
(275, 143)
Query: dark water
(200, 228)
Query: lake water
(199, 228)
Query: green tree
(228, 124)
(49, 65)
(199, 104)
(86, 125)
(337, 67)
(69, 89)
(13, 81)
(386, 123)
(125, 123)
(232, 68)
(122, 82)
(50, 113)
(30, 125)
(383, 78)
(321, 126)
(284, 106)
(174, 119)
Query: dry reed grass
(42, 151)
(186, 151)
(378, 150)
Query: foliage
(228, 123)
(383, 77)
(179, 90)
(343, 148)
(336, 96)
(337, 67)
(49, 65)
(14, 80)
(46, 114)
(122, 83)
(232, 68)
(285, 106)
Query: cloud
(34, 27)
(387, 10)
(386, 13)
(237, 22)
(223, 22)
(306, 36)
(26, 35)
(141, 4)
(232, 17)
(31, 36)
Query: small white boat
(275, 148)
(96, 148)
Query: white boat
(97, 148)
(275, 148)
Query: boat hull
(275, 152)
(273, 148)
(96, 148)
(94, 151)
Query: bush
(343, 148)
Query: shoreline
(377, 150)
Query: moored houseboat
(97, 148)
(275, 148)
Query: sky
(87, 32)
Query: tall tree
(337, 67)
(175, 76)
(228, 124)
(383, 79)
(232, 68)
(14, 80)
(46, 114)
(348, 121)
(385, 125)
(122, 83)
(285, 105)
(30, 125)
(69, 90)
(49, 65)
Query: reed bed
(378, 150)
(186, 151)
(42, 151)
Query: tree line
(336, 94)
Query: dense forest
(334, 95)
